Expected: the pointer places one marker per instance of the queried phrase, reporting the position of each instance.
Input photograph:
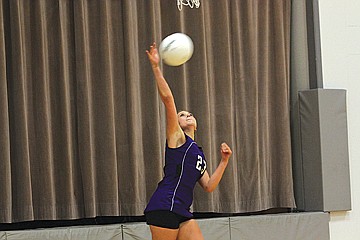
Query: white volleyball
(176, 49)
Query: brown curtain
(82, 126)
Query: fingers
(152, 46)
(152, 49)
(225, 148)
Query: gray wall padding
(105, 232)
(285, 227)
(294, 226)
(324, 144)
(215, 228)
(136, 231)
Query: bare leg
(159, 233)
(190, 230)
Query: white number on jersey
(199, 164)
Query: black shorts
(165, 219)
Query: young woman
(168, 211)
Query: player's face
(186, 119)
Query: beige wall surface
(340, 46)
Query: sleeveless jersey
(184, 166)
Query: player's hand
(225, 152)
(153, 55)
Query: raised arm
(210, 183)
(174, 135)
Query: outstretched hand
(225, 151)
(153, 55)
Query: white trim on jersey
(178, 183)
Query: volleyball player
(168, 211)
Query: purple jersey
(184, 166)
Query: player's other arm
(209, 183)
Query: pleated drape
(82, 126)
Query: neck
(190, 133)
